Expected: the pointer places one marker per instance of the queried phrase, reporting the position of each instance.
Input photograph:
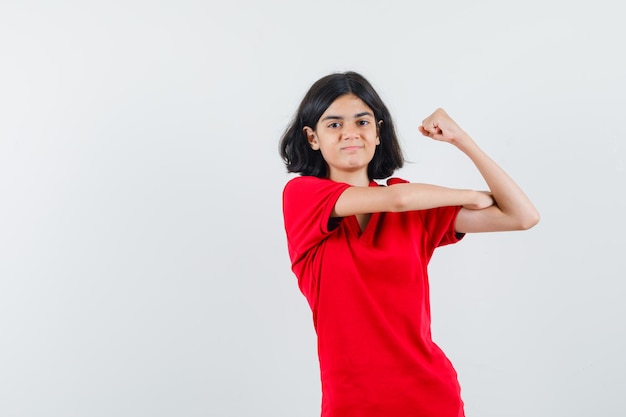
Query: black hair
(294, 146)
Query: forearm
(411, 196)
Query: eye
(363, 122)
(334, 125)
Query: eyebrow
(356, 116)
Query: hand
(483, 200)
(440, 126)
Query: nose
(349, 132)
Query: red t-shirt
(369, 295)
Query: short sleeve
(308, 203)
(438, 222)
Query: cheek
(326, 153)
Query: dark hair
(294, 147)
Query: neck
(359, 179)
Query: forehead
(347, 105)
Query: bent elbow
(529, 221)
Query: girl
(360, 250)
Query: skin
(347, 136)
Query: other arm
(406, 197)
(513, 209)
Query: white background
(143, 263)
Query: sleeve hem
(328, 210)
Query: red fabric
(370, 301)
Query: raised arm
(512, 210)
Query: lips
(351, 148)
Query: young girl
(360, 250)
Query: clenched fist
(440, 126)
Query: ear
(378, 126)
(311, 137)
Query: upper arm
(490, 219)
(361, 200)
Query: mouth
(351, 148)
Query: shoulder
(305, 180)
(309, 182)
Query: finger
(424, 131)
(430, 127)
